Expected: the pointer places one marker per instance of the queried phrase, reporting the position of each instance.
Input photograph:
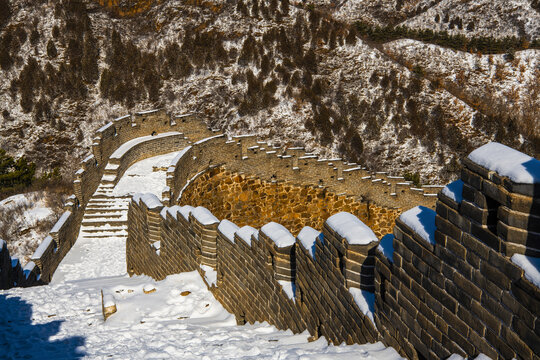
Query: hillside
(298, 74)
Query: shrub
(414, 177)
(5, 12)
(51, 49)
(15, 174)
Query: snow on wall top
(421, 220)
(177, 158)
(517, 166)
(173, 211)
(386, 247)
(307, 237)
(42, 247)
(228, 228)
(454, 190)
(351, 229)
(530, 265)
(61, 222)
(208, 138)
(365, 301)
(186, 210)
(125, 147)
(204, 216)
(278, 234)
(245, 233)
(150, 200)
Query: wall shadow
(533, 239)
(21, 339)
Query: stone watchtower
(464, 279)
(501, 198)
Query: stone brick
(447, 228)
(500, 344)
(526, 341)
(473, 244)
(520, 220)
(486, 317)
(474, 291)
(471, 320)
(472, 179)
(486, 236)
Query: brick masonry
(252, 273)
(107, 139)
(461, 294)
(248, 200)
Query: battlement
(116, 146)
(463, 278)
(245, 154)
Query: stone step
(112, 211)
(103, 229)
(108, 223)
(109, 199)
(105, 214)
(103, 236)
(109, 196)
(105, 219)
(110, 205)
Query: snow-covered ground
(180, 319)
(145, 176)
(24, 218)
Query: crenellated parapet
(116, 146)
(265, 274)
(465, 278)
(461, 279)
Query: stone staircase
(106, 214)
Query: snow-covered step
(104, 222)
(104, 235)
(104, 228)
(105, 211)
(105, 214)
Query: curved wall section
(149, 127)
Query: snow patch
(150, 200)
(245, 233)
(386, 247)
(228, 229)
(365, 301)
(204, 216)
(517, 166)
(454, 191)
(307, 237)
(210, 275)
(278, 234)
(421, 220)
(351, 228)
(289, 288)
(531, 267)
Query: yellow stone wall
(248, 200)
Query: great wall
(360, 267)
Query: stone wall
(258, 275)
(108, 139)
(463, 293)
(450, 282)
(293, 165)
(248, 200)
(11, 272)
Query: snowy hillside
(295, 73)
(24, 221)
(498, 18)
